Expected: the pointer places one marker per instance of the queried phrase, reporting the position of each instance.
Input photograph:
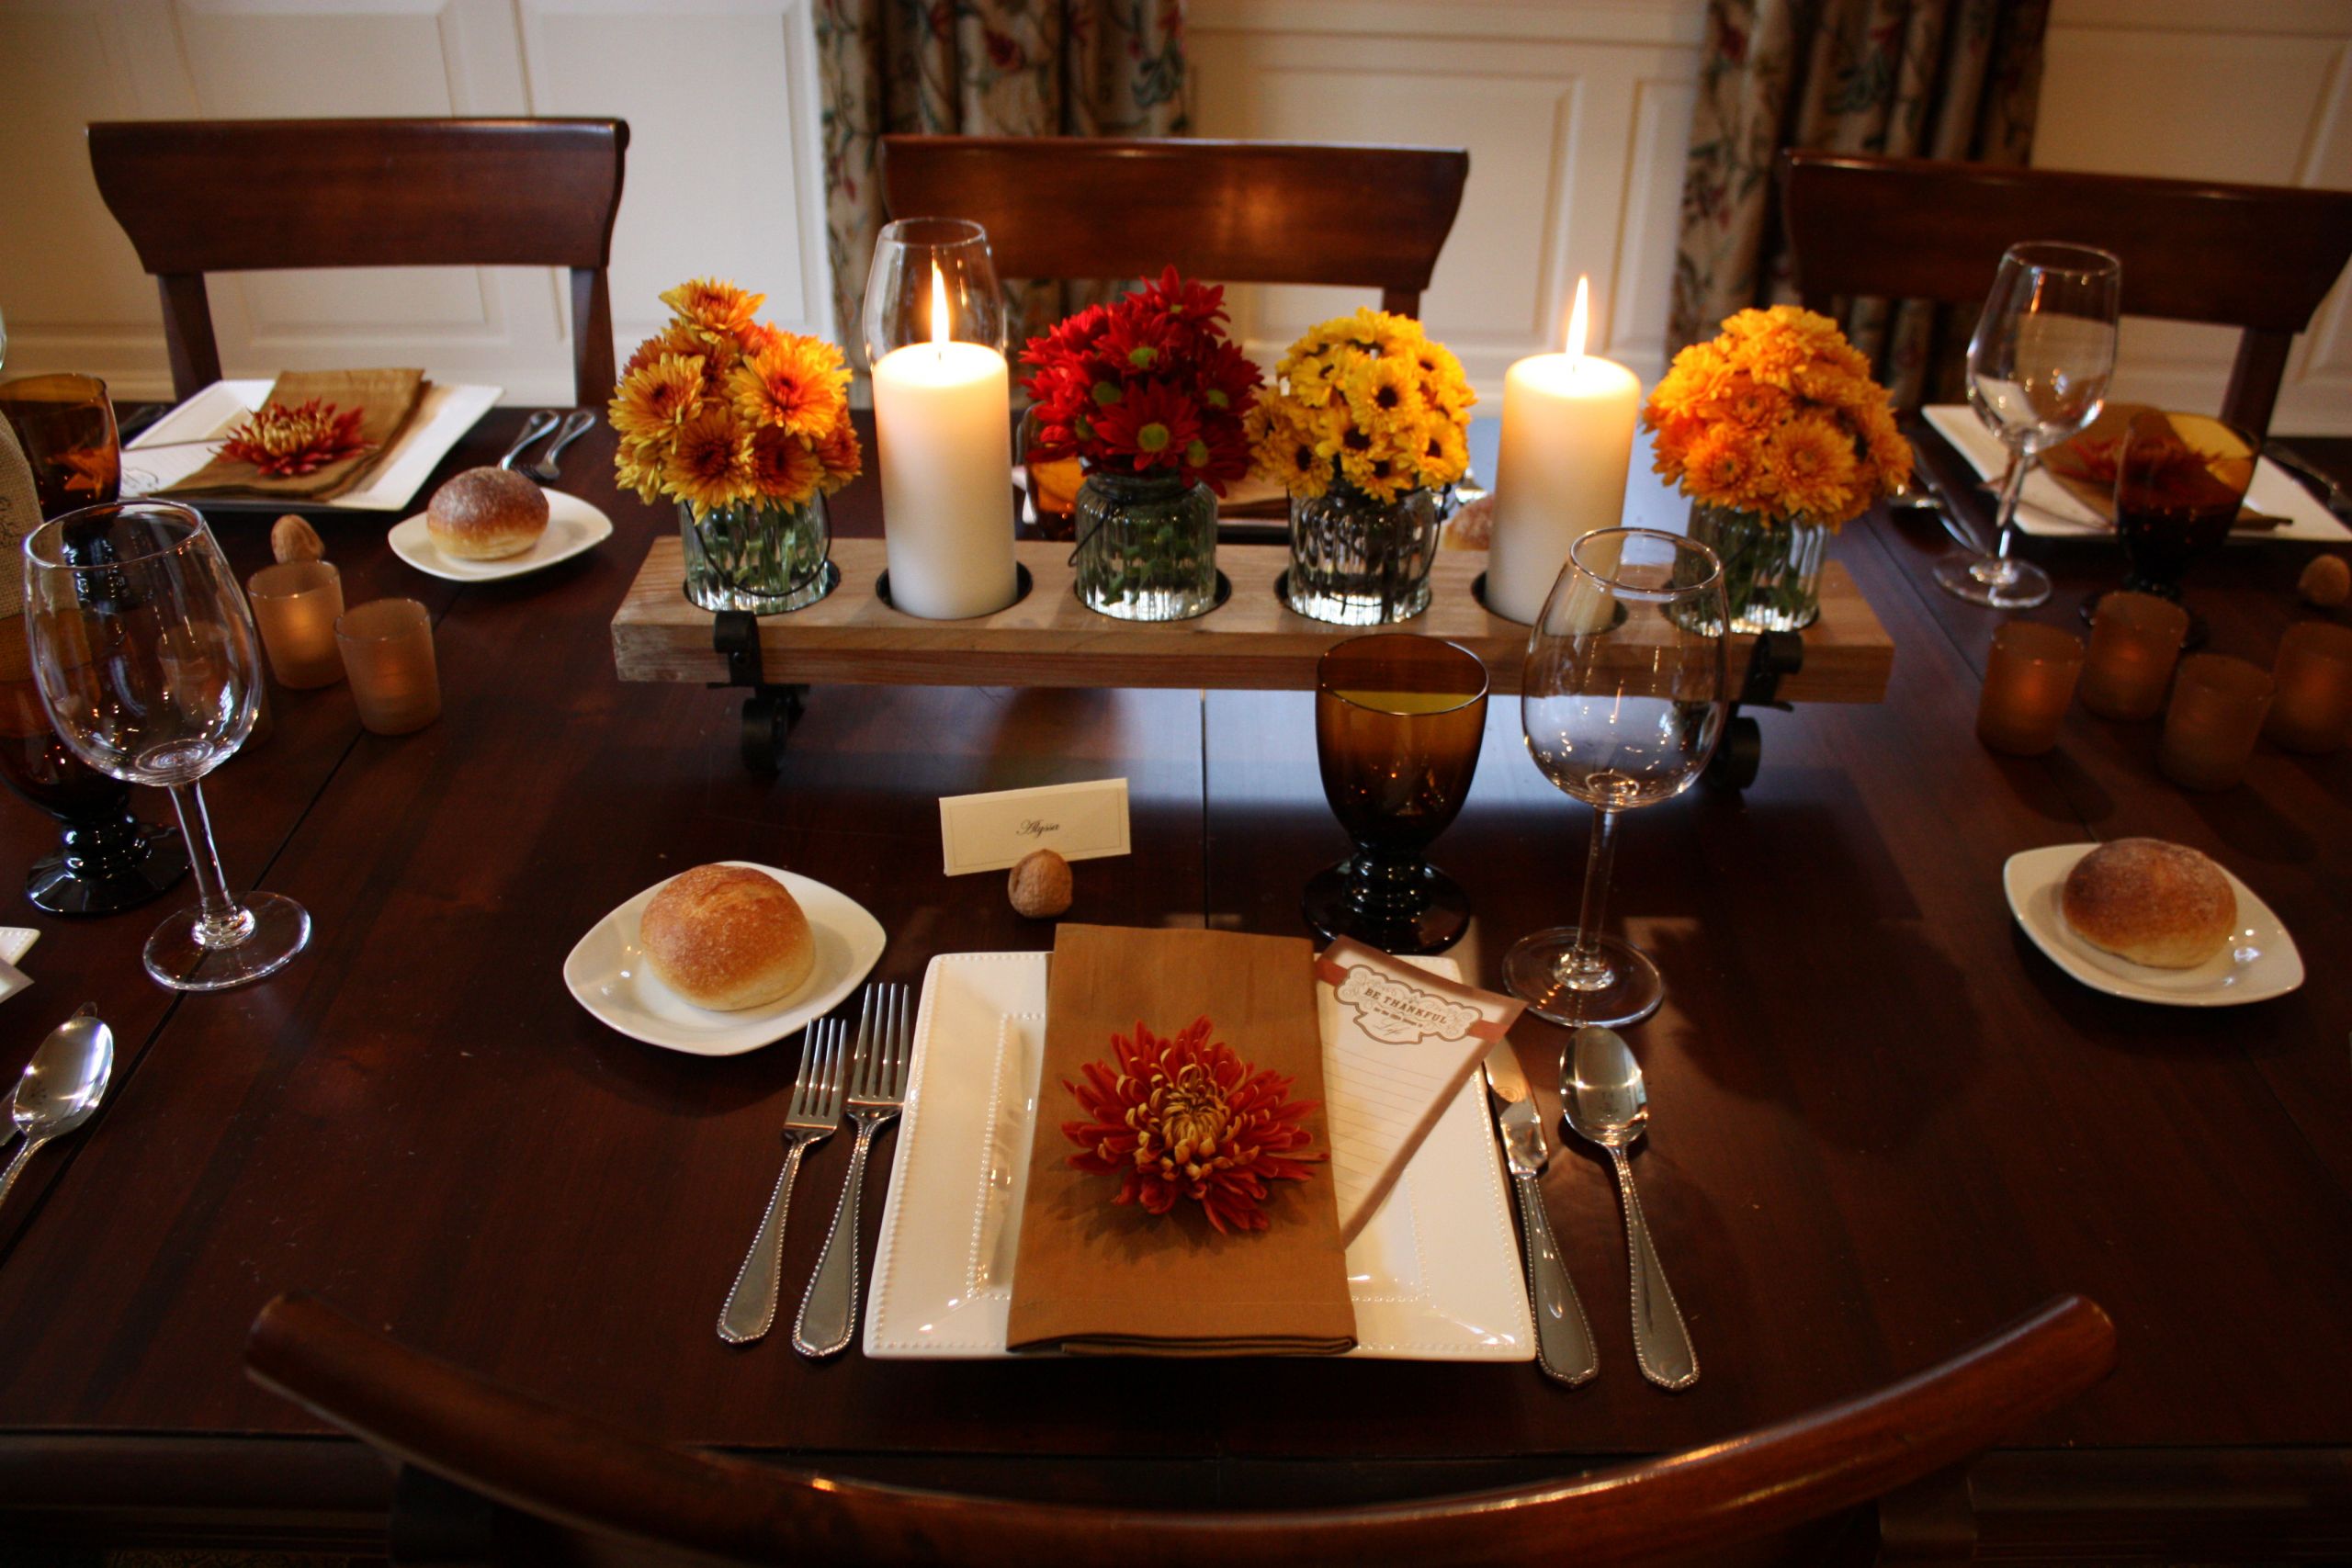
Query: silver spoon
(538, 424)
(63, 1084)
(575, 424)
(1608, 1105)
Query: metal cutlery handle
(575, 425)
(538, 424)
(24, 1153)
(1661, 1343)
(828, 1312)
(1564, 1346)
(750, 1311)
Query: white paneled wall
(1576, 112)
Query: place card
(1077, 821)
(1400, 1042)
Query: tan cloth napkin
(1091, 1276)
(2085, 463)
(389, 399)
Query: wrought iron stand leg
(772, 709)
(1741, 751)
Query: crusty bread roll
(487, 514)
(2155, 903)
(726, 937)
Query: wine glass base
(2021, 588)
(1627, 989)
(175, 959)
(1437, 925)
(155, 859)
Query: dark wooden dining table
(1884, 1121)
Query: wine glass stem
(2012, 488)
(221, 920)
(1586, 959)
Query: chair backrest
(1060, 207)
(2259, 258)
(236, 196)
(610, 1490)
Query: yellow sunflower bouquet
(718, 410)
(1369, 401)
(1779, 418)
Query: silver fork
(814, 1115)
(538, 424)
(877, 1088)
(575, 425)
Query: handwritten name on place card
(989, 832)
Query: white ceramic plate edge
(2030, 879)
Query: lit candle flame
(1578, 317)
(938, 307)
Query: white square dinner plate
(606, 974)
(1435, 1276)
(2260, 961)
(185, 439)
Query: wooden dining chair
(2257, 257)
(1073, 207)
(239, 195)
(542, 1485)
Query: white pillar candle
(943, 423)
(1568, 436)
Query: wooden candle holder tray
(1047, 638)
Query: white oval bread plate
(2260, 961)
(573, 525)
(608, 976)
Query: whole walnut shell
(292, 539)
(2326, 583)
(1040, 887)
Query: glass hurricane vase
(1147, 546)
(1358, 561)
(1771, 567)
(758, 556)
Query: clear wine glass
(1622, 696)
(146, 660)
(2038, 368)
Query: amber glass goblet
(2180, 480)
(1398, 720)
(65, 425)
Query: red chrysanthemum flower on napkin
(285, 443)
(1185, 1118)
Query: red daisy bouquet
(1148, 384)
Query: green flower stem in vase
(1147, 546)
(1357, 561)
(1771, 567)
(761, 557)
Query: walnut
(2326, 583)
(292, 539)
(1040, 885)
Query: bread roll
(726, 937)
(487, 514)
(2155, 903)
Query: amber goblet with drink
(2180, 480)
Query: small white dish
(184, 440)
(607, 975)
(2260, 961)
(573, 525)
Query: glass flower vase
(1772, 566)
(1147, 546)
(762, 557)
(1358, 561)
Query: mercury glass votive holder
(296, 605)
(2218, 706)
(2312, 708)
(2029, 682)
(2135, 642)
(387, 652)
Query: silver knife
(1563, 1346)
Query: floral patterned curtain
(1953, 79)
(982, 68)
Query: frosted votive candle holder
(2135, 642)
(296, 605)
(2029, 682)
(2217, 710)
(2312, 709)
(387, 652)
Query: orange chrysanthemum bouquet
(747, 428)
(1777, 433)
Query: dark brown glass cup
(1398, 720)
(65, 425)
(2180, 480)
